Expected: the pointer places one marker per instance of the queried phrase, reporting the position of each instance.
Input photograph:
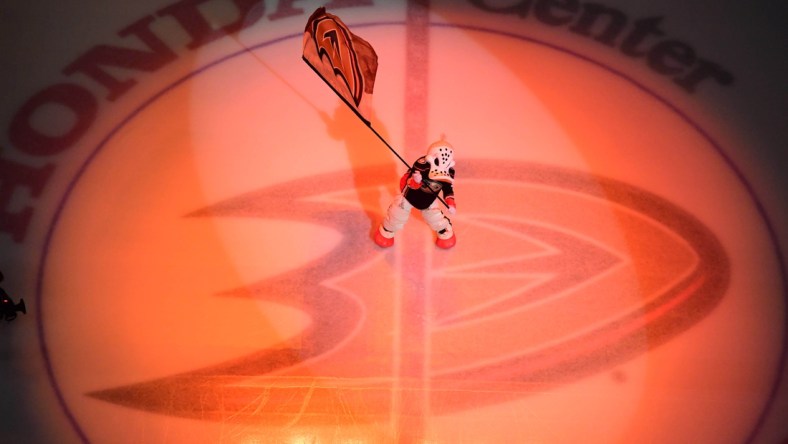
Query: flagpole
(357, 113)
(366, 121)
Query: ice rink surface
(188, 212)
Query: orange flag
(345, 61)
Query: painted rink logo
(528, 265)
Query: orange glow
(211, 275)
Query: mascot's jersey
(421, 198)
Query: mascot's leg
(396, 217)
(441, 224)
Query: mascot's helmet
(440, 156)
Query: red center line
(413, 402)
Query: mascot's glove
(415, 180)
(451, 204)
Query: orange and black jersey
(421, 198)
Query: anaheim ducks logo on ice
(525, 266)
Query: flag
(345, 61)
